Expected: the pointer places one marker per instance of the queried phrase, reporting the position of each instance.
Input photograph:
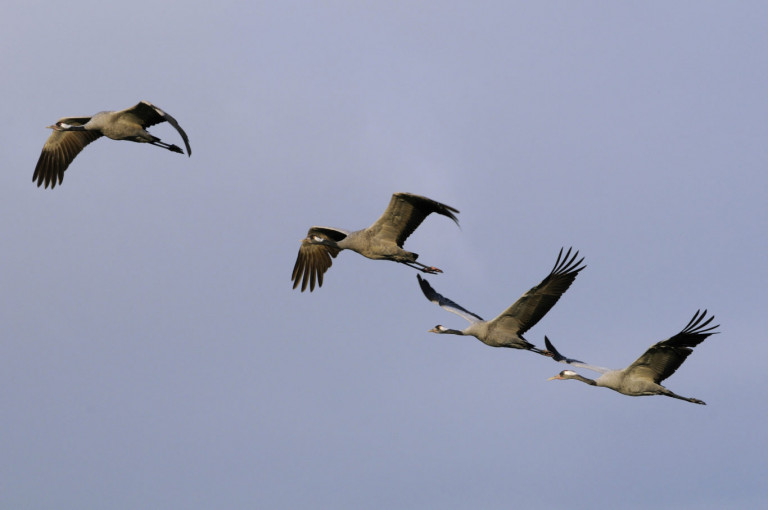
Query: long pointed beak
(555, 377)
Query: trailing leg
(170, 147)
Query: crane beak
(555, 377)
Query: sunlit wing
(405, 213)
(662, 359)
(524, 313)
(60, 150)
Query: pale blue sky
(154, 355)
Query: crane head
(63, 126)
(315, 239)
(565, 374)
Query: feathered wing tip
(448, 211)
(58, 152)
(311, 264)
(49, 170)
(314, 259)
(427, 289)
(551, 348)
(429, 206)
(556, 354)
(571, 361)
(695, 332)
(563, 265)
(696, 327)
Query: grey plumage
(508, 328)
(381, 241)
(71, 135)
(643, 377)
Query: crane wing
(570, 361)
(314, 260)
(405, 213)
(148, 115)
(60, 150)
(446, 303)
(662, 359)
(524, 313)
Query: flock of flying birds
(384, 241)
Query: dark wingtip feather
(556, 354)
(696, 327)
(564, 264)
(551, 348)
(426, 288)
(448, 211)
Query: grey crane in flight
(644, 376)
(507, 329)
(381, 241)
(71, 135)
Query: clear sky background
(154, 354)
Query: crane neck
(452, 332)
(586, 380)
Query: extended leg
(542, 352)
(687, 399)
(423, 268)
(170, 147)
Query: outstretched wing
(446, 303)
(661, 360)
(59, 151)
(570, 361)
(315, 259)
(148, 115)
(405, 213)
(524, 313)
